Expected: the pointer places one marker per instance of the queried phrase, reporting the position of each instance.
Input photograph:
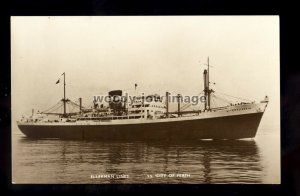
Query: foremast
(207, 90)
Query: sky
(159, 53)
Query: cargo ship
(148, 118)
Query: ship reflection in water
(205, 161)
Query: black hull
(229, 127)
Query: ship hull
(228, 127)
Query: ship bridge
(150, 106)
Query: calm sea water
(89, 162)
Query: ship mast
(64, 94)
(207, 91)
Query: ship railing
(109, 118)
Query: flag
(58, 81)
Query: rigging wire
(234, 96)
(71, 106)
(186, 106)
(56, 107)
(58, 103)
(214, 101)
(222, 99)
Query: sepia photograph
(145, 100)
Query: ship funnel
(116, 103)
